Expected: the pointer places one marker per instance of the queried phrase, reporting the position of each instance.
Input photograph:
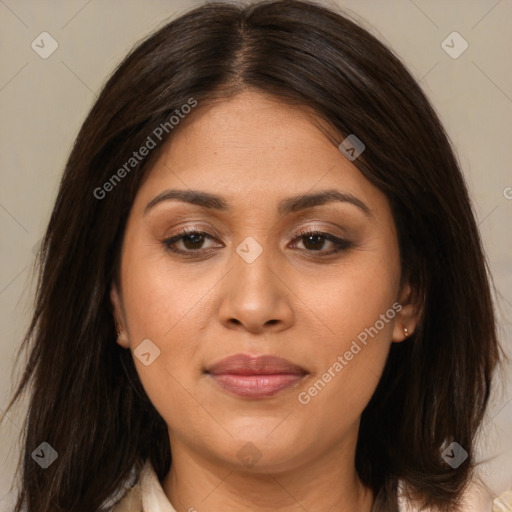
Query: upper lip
(245, 364)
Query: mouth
(255, 376)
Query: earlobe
(408, 317)
(122, 339)
(122, 336)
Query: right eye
(190, 239)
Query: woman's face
(245, 282)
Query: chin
(260, 446)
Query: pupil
(317, 239)
(194, 239)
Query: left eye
(316, 241)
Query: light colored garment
(147, 495)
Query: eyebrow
(289, 205)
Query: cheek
(160, 300)
(358, 317)
(171, 394)
(349, 364)
(353, 298)
(165, 308)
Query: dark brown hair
(86, 399)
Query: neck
(327, 483)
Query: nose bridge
(256, 296)
(252, 272)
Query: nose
(255, 296)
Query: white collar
(153, 496)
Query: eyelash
(342, 244)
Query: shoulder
(146, 495)
(503, 503)
(476, 498)
(129, 497)
(131, 501)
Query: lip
(257, 376)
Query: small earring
(406, 332)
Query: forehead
(256, 148)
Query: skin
(291, 301)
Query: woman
(262, 286)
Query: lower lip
(257, 386)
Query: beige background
(44, 101)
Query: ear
(408, 316)
(122, 334)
